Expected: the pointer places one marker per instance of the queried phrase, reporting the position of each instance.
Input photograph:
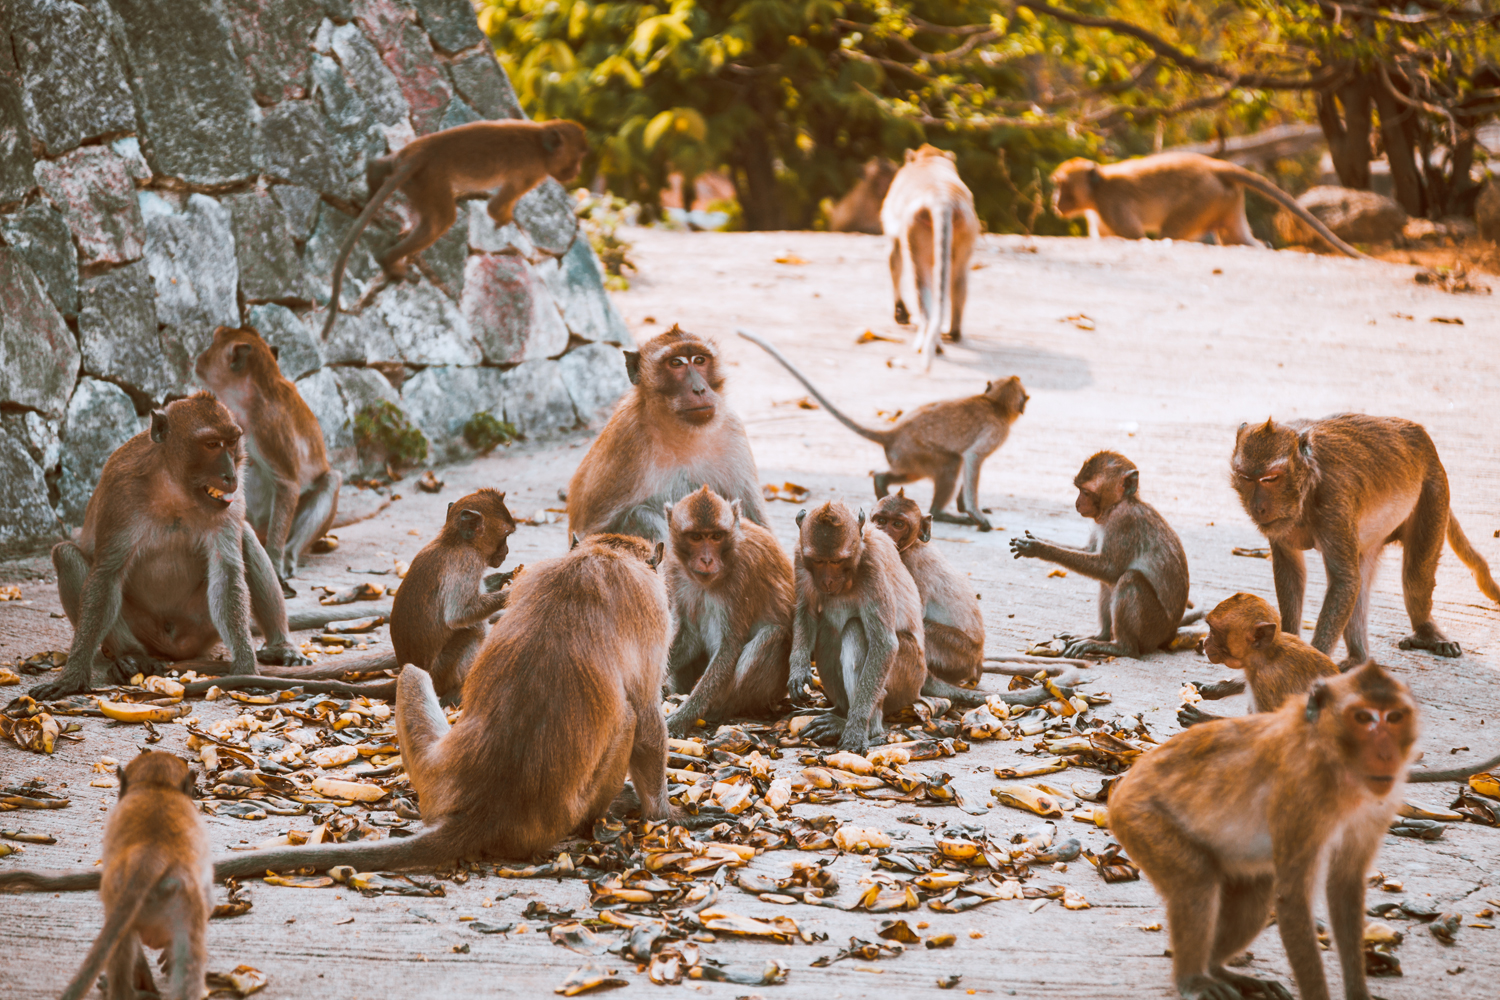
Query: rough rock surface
(190, 254)
(29, 520)
(321, 391)
(1354, 216)
(39, 234)
(595, 377)
(118, 332)
(578, 288)
(537, 399)
(510, 312)
(440, 400)
(92, 187)
(100, 418)
(38, 355)
(479, 80)
(74, 85)
(16, 163)
(270, 266)
(297, 350)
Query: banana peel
(124, 712)
(1028, 798)
(354, 791)
(1487, 784)
(1411, 811)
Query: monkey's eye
(1268, 480)
(699, 359)
(718, 536)
(676, 362)
(1363, 717)
(1395, 716)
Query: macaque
(1233, 815)
(291, 495)
(1349, 485)
(165, 567)
(859, 210)
(440, 614)
(731, 590)
(435, 170)
(929, 216)
(936, 441)
(859, 617)
(1180, 196)
(1133, 553)
(157, 885)
(669, 435)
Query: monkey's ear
(1132, 482)
(120, 773)
(800, 515)
(911, 154)
(275, 351)
(737, 507)
(656, 556)
(925, 531)
(469, 522)
(158, 426)
(550, 140)
(238, 355)
(1304, 445)
(1317, 698)
(574, 543)
(450, 507)
(901, 493)
(860, 517)
(1094, 176)
(1265, 634)
(633, 366)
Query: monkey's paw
(287, 590)
(127, 665)
(902, 316)
(1438, 645)
(1250, 986)
(796, 685)
(682, 722)
(1025, 547)
(62, 687)
(282, 654)
(1192, 715)
(825, 729)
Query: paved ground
(1182, 343)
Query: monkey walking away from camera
(859, 210)
(435, 170)
(731, 590)
(1233, 815)
(1349, 485)
(165, 567)
(929, 216)
(1182, 196)
(157, 885)
(859, 616)
(1133, 553)
(936, 441)
(670, 434)
(291, 495)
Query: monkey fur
(859, 210)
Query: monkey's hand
(496, 581)
(826, 728)
(1026, 547)
(71, 682)
(799, 676)
(287, 590)
(683, 721)
(128, 665)
(1192, 715)
(283, 654)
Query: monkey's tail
(1454, 773)
(1251, 179)
(870, 433)
(143, 881)
(1472, 559)
(395, 180)
(427, 849)
(53, 881)
(942, 271)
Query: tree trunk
(1348, 135)
(1398, 127)
(757, 188)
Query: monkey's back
(947, 598)
(417, 627)
(151, 837)
(930, 182)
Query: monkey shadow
(1037, 368)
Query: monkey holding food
(1182, 196)
(670, 434)
(936, 441)
(291, 494)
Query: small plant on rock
(484, 432)
(382, 429)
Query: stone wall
(167, 166)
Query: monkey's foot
(287, 591)
(1208, 988)
(1250, 986)
(1433, 641)
(977, 520)
(283, 654)
(1093, 647)
(1192, 715)
(953, 336)
(60, 688)
(127, 665)
(902, 316)
(1214, 690)
(682, 721)
(826, 728)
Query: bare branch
(1385, 78)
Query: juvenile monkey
(439, 616)
(157, 886)
(1181, 196)
(730, 586)
(165, 567)
(859, 616)
(936, 441)
(929, 216)
(1232, 815)
(669, 435)
(859, 210)
(435, 170)
(291, 495)
(1133, 553)
(1349, 485)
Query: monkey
(859, 210)
(1182, 196)
(165, 566)
(929, 216)
(291, 495)
(859, 617)
(936, 441)
(1229, 816)
(731, 590)
(439, 616)
(435, 170)
(1348, 485)
(1133, 553)
(670, 434)
(157, 885)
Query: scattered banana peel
(589, 977)
(38, 733)
(8, 677)
(778, 928)
(1250, 553)
(242, 980)
(790, 492)
(1112, 865)
(357, 626)
(430, 483)
(863, 950)
(358, 592)
(324, 545)
(1411, 811)
(125, 712)
(1486, 784)
(1028, 798)
(10, 592)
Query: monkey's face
(1072, 190)
(687, 375)
(1268, 473)
(705, 529)
(566, 144)
(832, 575)
(1097, 497)
(203, 449)
(902, 520)
(1370, 716)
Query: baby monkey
(158, 885)
(1133, 553)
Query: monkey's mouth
(1380, 783)
(224, 498)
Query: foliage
(383, 430)
(601, 216)
(484, 432)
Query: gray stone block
(29, 523)
(458, 113)
(191, 257)
(92, 187)
(100, 418)
(486, 237)
(364, 387)
(297, 349)
(271, 38)
(40, 235)
(301, 207)
(537, 399)
(450, 24)
(40, 436)
(409, 55)
(595, 377)
(118, 332)
(478, 78)
(545, 214)
(270, 266)
(75, 87)
(128, 148)
(362, 339)
(440, 400)
(444, 261)
(369, 78)
(323, 249)
(38, 355)
(578, 288)
(16, 164)
(200, 122)
(321, 392)
(426, 325)
(300, 149)
(510, 312)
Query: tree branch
(1385, 78)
